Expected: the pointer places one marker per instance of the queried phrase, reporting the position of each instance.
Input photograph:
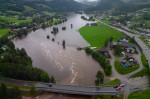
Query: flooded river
(68, 65)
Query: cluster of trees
(11, 93)
(108, 41)
(18, 65)
(118, 50)
(102, 61)
(55, 29)
(100, 77)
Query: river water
(68, 65)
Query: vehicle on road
(115, 86)
(50, 84)
(119, 88)
(121, 85)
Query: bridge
(79, 90)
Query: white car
(122, 85)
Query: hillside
(40, 5)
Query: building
(113, 45)
(124, 39)
(127, 45)
(104, 52)
(130, 49)
(4, 47)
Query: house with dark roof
(127, 45)
(124, 39)
(104, 52)
(113, 45)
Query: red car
(118, 88)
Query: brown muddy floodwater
(68, 65)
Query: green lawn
(113, 82)
(19, 86)
(107, 97)
(140, 95)
(146, 42)
(15, 19)
(96, 35)
(28, 9)
(144, 61)
(141, 73)
(9, 11)
(3, 32)
(122, 70)
(50, 13)
(106, 21)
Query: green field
(3, 32)
(144, 61)
(15, 19)
(140, 95)
(143, 72)
(108, 97)
(9, 11)
(113, 82)
(96, 35)
(106, 21)
(122, 70)
(28, 9)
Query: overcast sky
(85, 0)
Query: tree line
(102, 61)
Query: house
(127, 45)
(113, 45)
(104, 52)
(94, 24)
(4, 47)
(124, 39)
(130, 49)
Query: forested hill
(118, 7)
(40, 5)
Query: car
(122, 85)
(115, 86)
(119, 88)
(50, 84)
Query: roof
(121, 38)
(130, 48)
(115, 43)
(103, 50)
(128, 44)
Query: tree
(33, 91)
(14, 93)
(106, 43)
(63, 43)
(88, 50)
(132, 40)
(100, 77)
(118, 50)
(111, 39)
(53, 79)
(3, 91)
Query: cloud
(85, 0)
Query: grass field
(28, 9)
(106, 21)
(113, 82)
(140, 95)
(143, 72)
(144, 62)
(96, 35)
(3, 32)
(122, 70)
(14, 19)
(9, 11)
(107, 97)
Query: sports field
(96, 35)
